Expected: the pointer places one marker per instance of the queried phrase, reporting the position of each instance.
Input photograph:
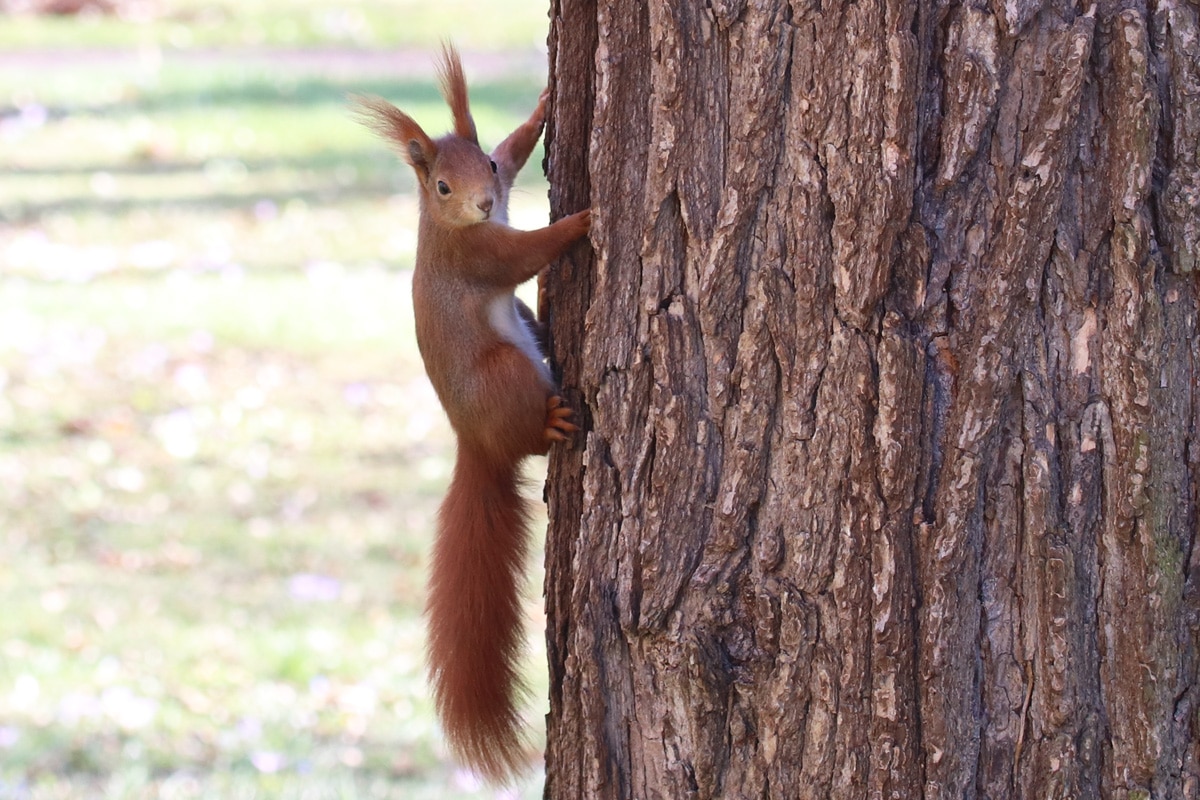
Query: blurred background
(219, 457)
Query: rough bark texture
(887, 354)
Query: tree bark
(888, 365)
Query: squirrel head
(457, 180)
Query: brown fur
(500, 401)
(454, 89)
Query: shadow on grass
(376, 174)
(282, 90)
(27, 213)
(376, 158)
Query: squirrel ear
(400, 129)
(416, 155)
(454, 89)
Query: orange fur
(454, 89)
(475, 614)
(483, 361)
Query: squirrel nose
(485, 205)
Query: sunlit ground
(219, 458)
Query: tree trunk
(887, 358)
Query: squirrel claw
(557, 426)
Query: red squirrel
(485, 364)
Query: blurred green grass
(219, 458)
(381, 24)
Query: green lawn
(219, 457)
(474, 24)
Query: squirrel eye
(493, 167)
(443, 189)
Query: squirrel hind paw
(557, 425)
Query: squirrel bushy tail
(475, 631)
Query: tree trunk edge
(1065, 423)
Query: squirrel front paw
(557, 427)
(581, 222)
(538, 118)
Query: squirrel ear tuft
(398, 128)
(454, 88)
